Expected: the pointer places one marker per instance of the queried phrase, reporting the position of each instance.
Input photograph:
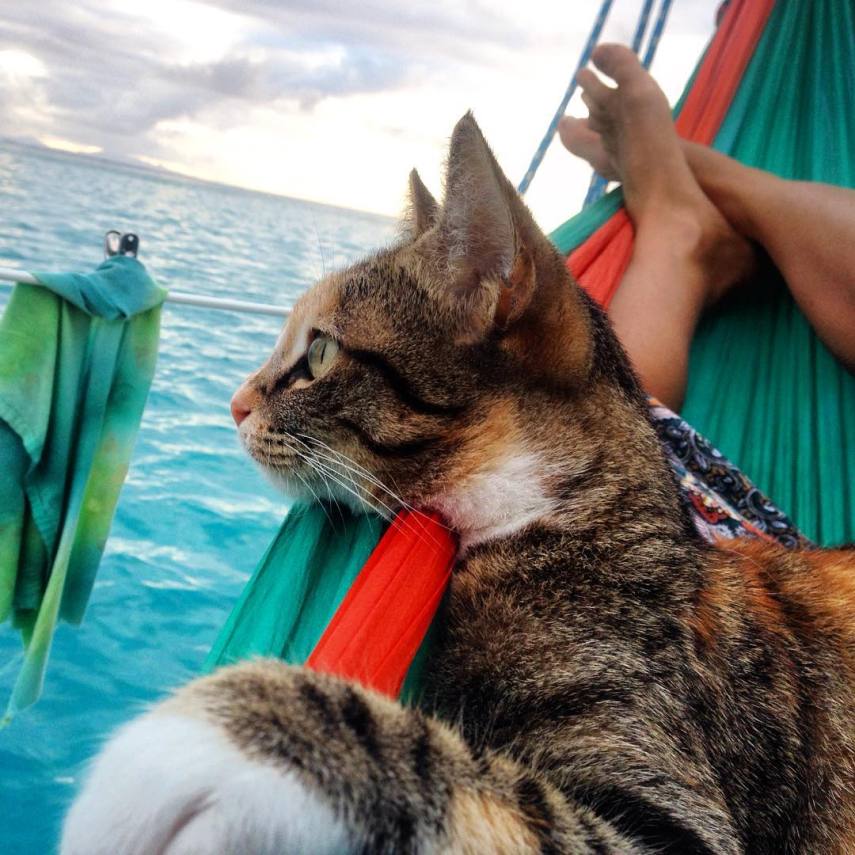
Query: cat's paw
(170, 784)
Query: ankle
(668, 227)
(731, 186)
(699, 242)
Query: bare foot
(630, 136)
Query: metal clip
(129, 245)
(111, 243)
(115, 243)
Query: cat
(604, 681)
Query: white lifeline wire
(9, 274)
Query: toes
(598, 114)
(577, 136)
(617, 61)
(580, 139)
(592, 86)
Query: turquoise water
(194, 515)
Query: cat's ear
(499, 272)
(422, 208)
(486, 234)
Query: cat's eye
(322, 354)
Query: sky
(326, 100)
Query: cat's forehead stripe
(320, 302)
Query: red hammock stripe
(378, 628)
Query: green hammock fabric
(762, 387)
(298, 586)
(76, 362)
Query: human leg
(807, 228)
(685, 252)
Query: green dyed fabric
(762, 387)
(76, 361)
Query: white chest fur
(498, 500)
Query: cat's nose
(242, 402)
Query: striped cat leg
(266, 758)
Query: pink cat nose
(242, 402)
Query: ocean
(194, 515)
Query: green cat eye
(322, 353)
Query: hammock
(771, 90)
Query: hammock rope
(641, 26)
(584, 59)
(656, 34)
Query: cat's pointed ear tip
(467, 138)
(466, 124)
(422, 208)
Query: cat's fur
(605, 680)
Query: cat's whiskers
(357, 490)
(327, 484)
(326, 472)
(333, 470)
(271, 464)
(349, 463)
(414, 526)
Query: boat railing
(9, 274)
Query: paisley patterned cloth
(722, 500)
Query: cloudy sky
(318, 99)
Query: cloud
(288, 76)
(115, 72)
(415, 31)
(114, 81)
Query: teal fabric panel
(73, 385)
(298, 586)
(762, 385)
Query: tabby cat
(605, 681)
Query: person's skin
(695, 212)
